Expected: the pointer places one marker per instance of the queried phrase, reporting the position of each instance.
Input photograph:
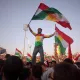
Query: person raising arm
(31, 30)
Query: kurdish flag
(52, 14)
(58, 50)
(18, 53)
(62, 40)
(29, 57)
(28, 60)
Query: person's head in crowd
(53, 63)
(37, 71)
(2, 56)
(24, 60)
(7, 56)
(29, 64)
(43, 65)
(12, 68)
(65, 71)
(67, 60)
(25, 74)
(50, 64)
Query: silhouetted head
(65, 71)
(67, 60)
(54, 63)
(37, 71)
(39, 30)
(25, 74)
(12, 68)
(7, 56)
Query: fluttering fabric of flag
(18, 53)
(62, 40)
(46, 13)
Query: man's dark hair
(7, 56)
(29, 63)
(12, 68)
(67, 60)
(41, 64)
(37, 71)
(54, 61)
(40, 28)
(66, 71)
(25, 74)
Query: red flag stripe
(29, 55)
(64, 24)
(43, 6)
(64, 36)
(18, 50)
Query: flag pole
(25, 29)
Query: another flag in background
(18, 53)
(52, 14)
(46, 56)
(76, 58)
(62, 40)
(29, 57)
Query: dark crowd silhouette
(14, 68)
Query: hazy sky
(15, 13)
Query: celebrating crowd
(14, 68)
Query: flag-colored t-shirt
(39, 39)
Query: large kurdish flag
(52, 14)
(62, 40)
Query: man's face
(39, 30)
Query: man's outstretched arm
(48, 36)
(31, 30)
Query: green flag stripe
(62, 49)
(40, 16)
(28, 60)
(52, 10)
(44, 13)
(17, 54)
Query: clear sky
(15, 13)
